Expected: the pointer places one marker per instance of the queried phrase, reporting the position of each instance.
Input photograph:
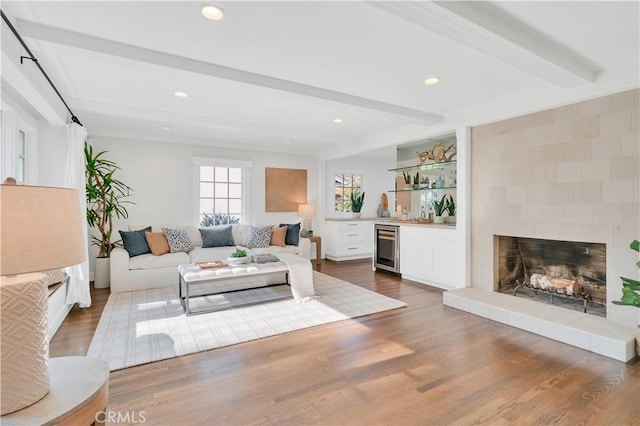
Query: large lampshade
(40, 229)
(306, 210)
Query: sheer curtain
(78, 290)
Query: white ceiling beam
(95, 44)
(484, 27)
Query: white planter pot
(450, 219)
(356, 215)
(101, 274)
(438, 219)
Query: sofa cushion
(278, 236)
(178, 240)
(240, 234)
(259, 237)
(209, 254)
(217, 236)
(149, 261)
(194, 235)
(157, 243)
(293, 233)
(134, 242)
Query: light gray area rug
(150, 325)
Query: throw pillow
(278, 236)
(54, 276)
(134, 242)
(293, 233)
(178, 240)
(217, 236)
(157, 243)
(259, 237)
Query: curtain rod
(35, 60)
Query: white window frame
(21, 157)
(333, 188)
(220, 162)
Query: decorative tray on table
(210, 265)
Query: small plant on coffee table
(239, 253)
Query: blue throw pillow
(217, 236)
(293, 234)
(134, 242)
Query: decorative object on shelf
(238, 257)
(357, 201)
(437, 153)
(34, 239)
(439, 208)
(424, 182)
(106, 199)
(306, 212)
(631, 292)
(383, 207)
(440, 182)
(450, 207)
(407, 177)
(416, 181)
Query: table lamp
(306, 211)
(40, 229)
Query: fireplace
(569, 274)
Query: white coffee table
(217, 278)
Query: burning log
(556, 285)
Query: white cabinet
(429, 256)
(348, 240)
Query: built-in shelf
(421, 189)
(451, 165)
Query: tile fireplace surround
(570, 174)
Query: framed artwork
(285, 189)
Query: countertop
(393, 221)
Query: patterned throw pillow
(259, 237)
(178, 240)
(217, 236)
(54, 276)
(293, 233)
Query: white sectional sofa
(148, 271)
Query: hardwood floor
(423, 364)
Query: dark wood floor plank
(423, 364)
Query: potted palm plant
(357, 201)
(631, 292)
(106, 199)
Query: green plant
(630, 287)
(439, 205)
(450, 206)
(416, 179)
(239, 253)
(357, 200)
(407, 177)
(106, 198)
(217, 219)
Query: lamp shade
(40, 229)
(306, 210)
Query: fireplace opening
(569, 274)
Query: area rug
(150, 325)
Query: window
(344, 185)
(21, 150)
(220, 195)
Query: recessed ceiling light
(287, 141)
(338, 120)
(211, 12)
(180, 94)
(165, 128)
(431, 81)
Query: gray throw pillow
(259, 236)
(178, 240)
(134, 242)
(217, 236)
(293, 234)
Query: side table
(318, 240)
(77, 396)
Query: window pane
(21, 144)
(206, 205)
(357, 181)
(20, 177)
(235, 190)
(221, 174)
(347, 180)
(221, 190)
(235, 206)
(235, 175)
(206, 190)
(206, 173)
(222, 205)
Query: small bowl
(237, 260)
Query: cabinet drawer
(351, 248)
(350, 227)
(352, 235)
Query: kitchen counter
(392, 221)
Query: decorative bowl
(237, 260)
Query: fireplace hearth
(569, 274)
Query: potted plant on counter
(357, 201)
(439, 209)
(450, 207)
(106, 199)
(631, 292)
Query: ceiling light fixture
(211, 12)
(338, 120)
(431, 81)
(180, 94)
(165, 128)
